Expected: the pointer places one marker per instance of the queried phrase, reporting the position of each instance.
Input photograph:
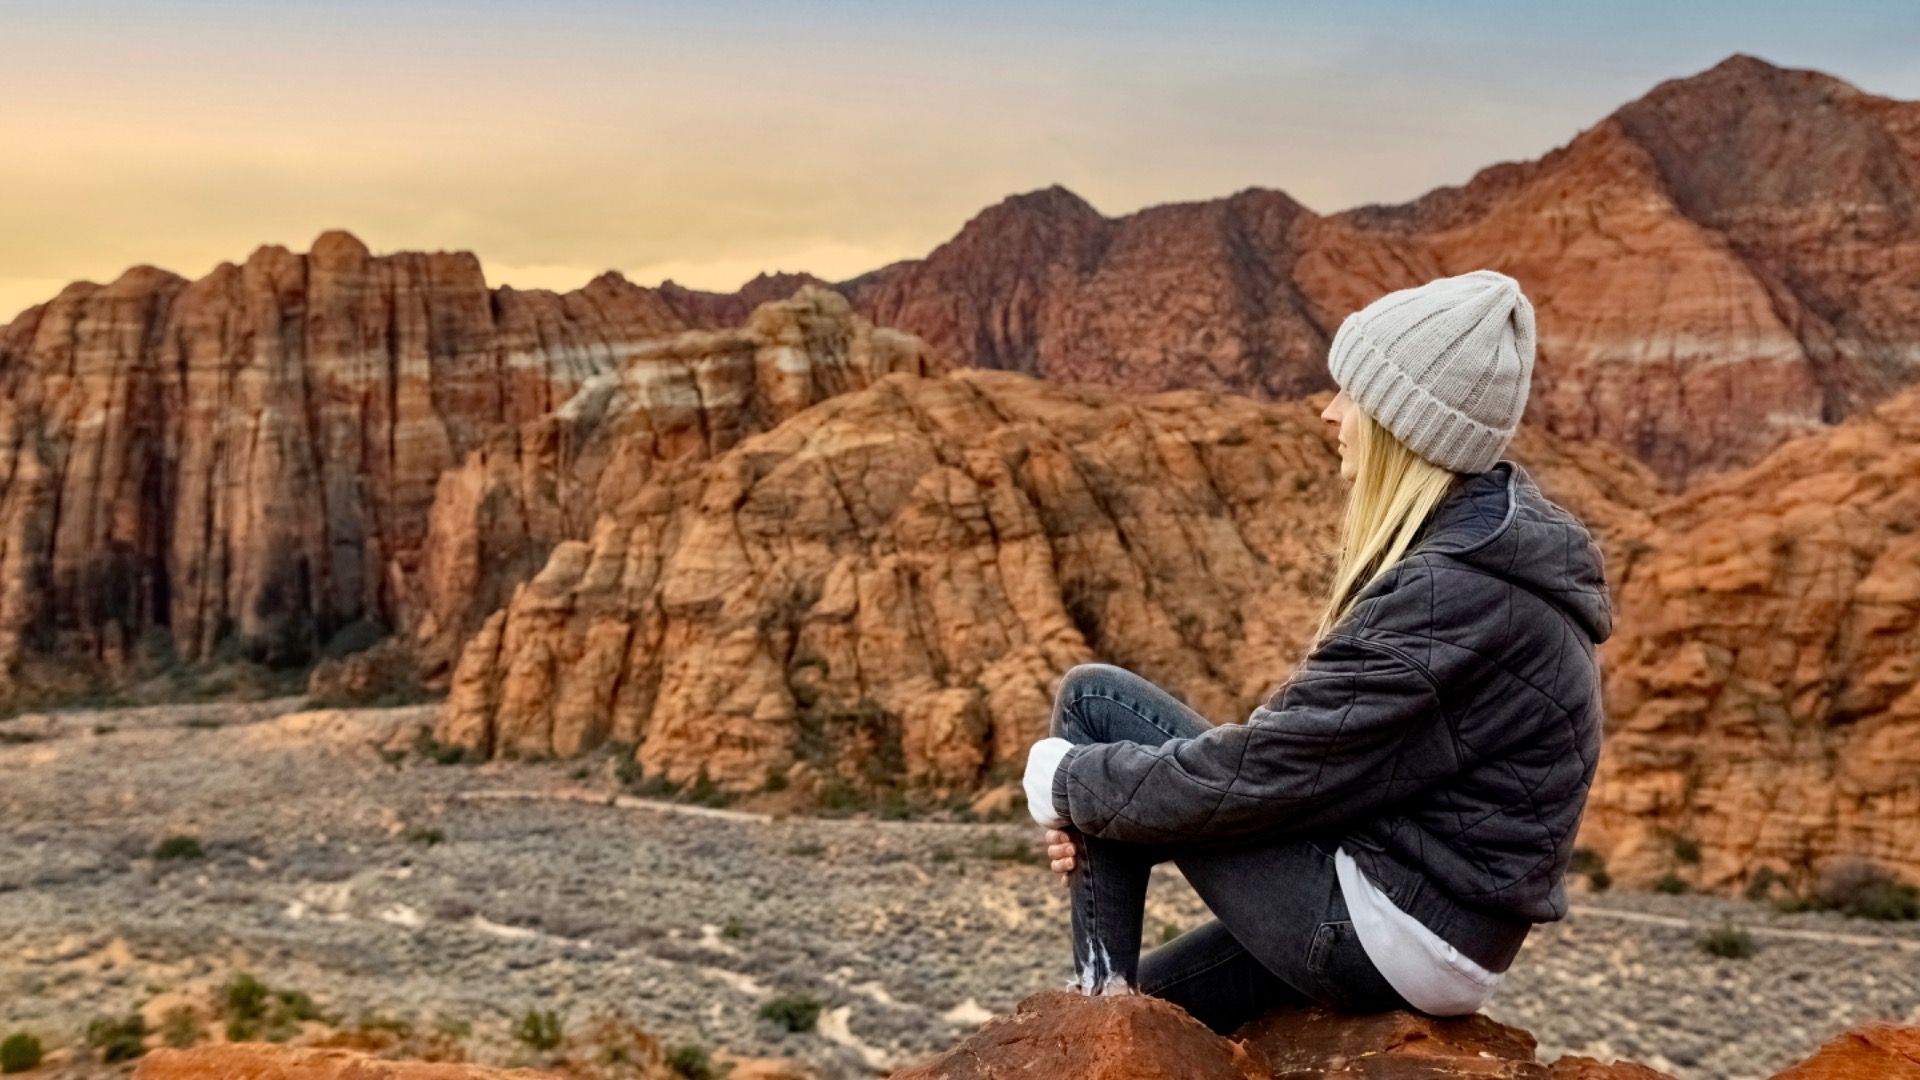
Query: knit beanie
(1445, 366)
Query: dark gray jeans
(1282, 934)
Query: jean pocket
(1345, 975)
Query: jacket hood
(1498, 522)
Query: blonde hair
(1394, 490)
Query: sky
(708, 141)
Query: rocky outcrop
(886, 587)
(639, 1057)
(1718, 266)
(1763, 693)
(1118, 1038)
(1145, 1038)
(266, 1061)
(1867, 1052)
(683, 398)
(248, 463)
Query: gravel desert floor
(386, 885)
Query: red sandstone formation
(266, 1061)
(1763, 693)
(1061, 1034)
(248, 461)
(1132, 1037)
(1723, 264)
(687, 397)
(1144, 1038)
(1867, 1052)
(886, 586)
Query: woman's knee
(1074, 684)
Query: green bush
(1859, 889)
(1728, 942)
(426, 746)
(1671, 883)
(19, 1052)
(256, 1012)
(121, 1039)
(795, 1012)
(1761, 884)
(539, 1029)
(1593, 865)
(180, 1028)
(1686, 850)
(176, 847)
(426, 837)
(1168, 932)
(692, 1061)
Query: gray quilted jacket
(1445, 733)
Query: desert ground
(385, 885)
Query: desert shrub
(19, 1052)
(254, 1011)
(118, 1039)
(1859, 889)
(374, 1020)
(432, 749)
(692, 1061)
(425, 837)
(1686, 850)
(1761, 884)
(180, 1028)
(733, 928)
(1727, 942)
(1168, 931)
(177, 847)
(539, 1029)
(1590, 863)
(1671, 883)
(807, 849)
(706, 792)
(794, 1012)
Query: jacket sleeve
(1325, 748)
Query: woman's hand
(1060, 853)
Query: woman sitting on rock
(1385, 830)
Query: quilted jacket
(1445, 733)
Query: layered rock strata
(888, 585)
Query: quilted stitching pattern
(1453, 721)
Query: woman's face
(1345, 416)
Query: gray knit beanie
(1445, 366)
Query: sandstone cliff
(1763, 692)
(885, 587)
(247, 463)
(496, 517)
(1718, 266)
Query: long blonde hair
(1394, 490)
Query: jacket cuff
(1060, 803)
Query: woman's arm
(1359, 726)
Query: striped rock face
(249, 462)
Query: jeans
(1281, 935)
